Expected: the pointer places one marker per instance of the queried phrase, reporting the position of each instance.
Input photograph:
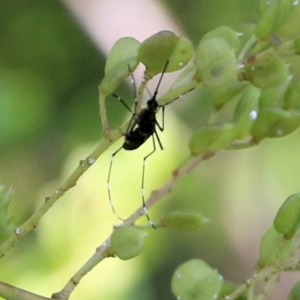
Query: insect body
(142, 125)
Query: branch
(10, 292)
(103, 250)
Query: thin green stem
(182, 76)
(98, 256)
(103, 250)
(140, 93)
(265, 275)
(10, 292)
(103, 115)
(176, 93)
(247, 48)
(268, 286)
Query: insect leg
(108, 184)
(143, 176)
(161, 127)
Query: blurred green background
(50, 69)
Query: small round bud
(215, 62)
(291, 99)
(273, 15)
(270, 96)
(184, 220)
(246, 111)
(127, 242)
(124, 49)
(290, 27)
(196, 280)
(162, 47)
(274, 249)
(287, 220)
(297, 45)
(273, 122)
(212, 138)
(266, 70)
(226, 33)
(121, 61)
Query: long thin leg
(158, 139)
(143, 181)
(161, 127)
(108, 184)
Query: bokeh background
(52, 57)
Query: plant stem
(103, 250)
(10, 292)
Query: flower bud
(212, 138)
(274, 249)
(215, 62)
(245, 112)
(266, 70)
(121, 61)
(127, 242)
(165, 46)
(196, 280)
(184, 220)
(287, 220)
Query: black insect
(141, 126)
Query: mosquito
(141, 126)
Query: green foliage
(254, 95)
